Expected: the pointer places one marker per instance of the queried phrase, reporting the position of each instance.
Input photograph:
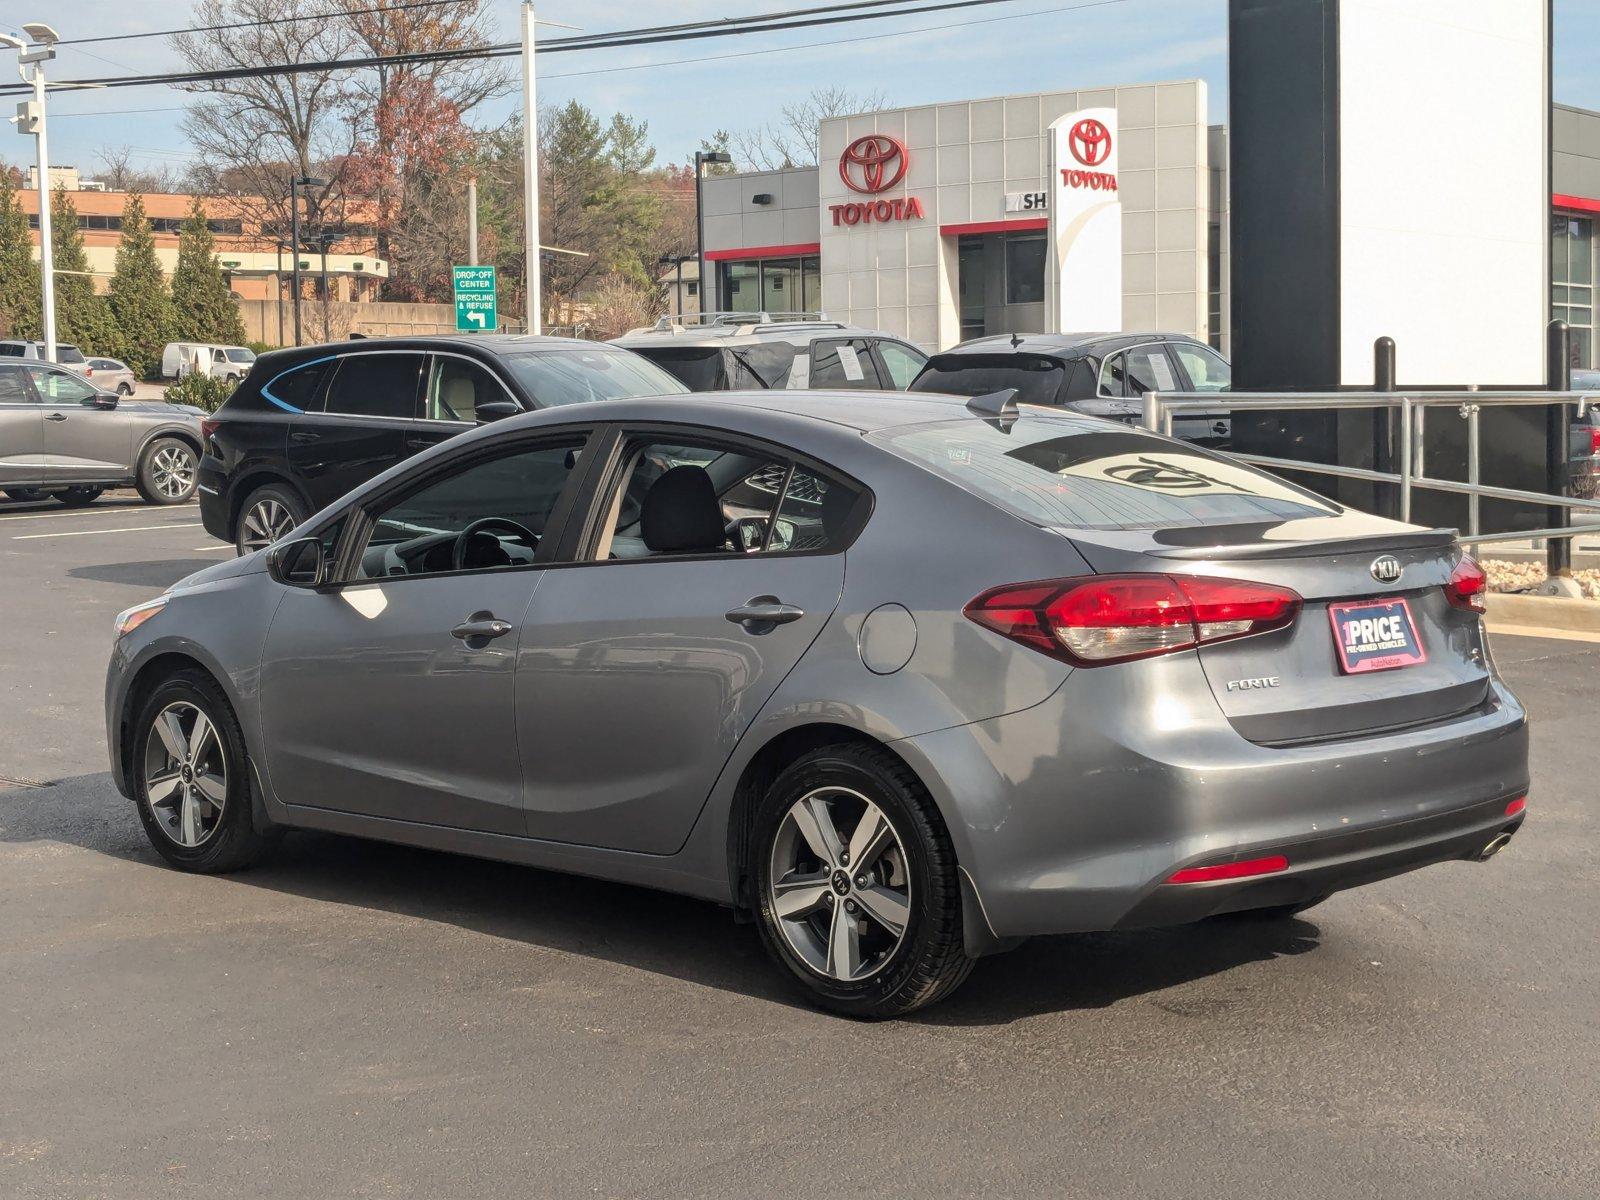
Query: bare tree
(791, 141)
(115, 169)
(254, 134)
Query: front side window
(1208, 371)
(60, 386)
(574, 376)
(456, 387)
(490, 515)
(375, 385)
(842, 364)
(902, 363)
(1135, 372)
(217, 356)
(683, 499)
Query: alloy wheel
(264, 522)
(185, 774)
(172, 470)
(839, 892)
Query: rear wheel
(77, 497)
(23, 495)
(191, 778)
(124, 389)
(167, 471)
(857, 894)
(268, 513)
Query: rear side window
(1068, 472)
(11, 349)
(769, 365)
(1037, 379)
(698, 368)
(295, 390)
(375, 385)
(845, 364)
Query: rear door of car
(21, 427)
(365, 422)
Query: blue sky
(1030, 45)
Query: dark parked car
(713, 352)
(1584, 457)
(309, 424)
(1099, 374)
(63, 437)
(903, 682)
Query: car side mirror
(103, 400)
(300, 563)
(497, 410)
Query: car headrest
(680, 513)
(460, 397)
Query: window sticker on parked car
(851, 363)
(800, 375)
(1162, 370)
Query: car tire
(124, 390)
(832, 935)
(77, 497)
(266, 515)
(168, 471)
(191, 778)
(26, 495)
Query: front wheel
(191, 778)
(77, 497)
(167, 471)
(268, 513)
(857, 893)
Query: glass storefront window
(1572, 282)
(1025, 270)
(780, 285)
(772, 285)
(741, 286)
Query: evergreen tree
(19, 274)
(140, 303)
(82, 318)
(203, 306)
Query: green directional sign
(476, 310)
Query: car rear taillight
(208, 426)
(1466, 585)
(1516, 806)
(1247, 869)
(1114, 618)
(1594, 440)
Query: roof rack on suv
(740, 321)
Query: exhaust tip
(1496, 844)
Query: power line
(330, 16)
(727, 28)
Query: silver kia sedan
(904, 679)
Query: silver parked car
(63, 437)
(111, 375)
(905, 679)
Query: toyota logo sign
(1090, 142)
(873, 163)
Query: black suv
(309, 424)
(1098, 374)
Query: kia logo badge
(1386, 569)
(874, 163)
(1090, 142)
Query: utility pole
(530, 174)
(31, 119)
(472, 220)
(701, 158)
(295, 184)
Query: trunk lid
(1288, 686)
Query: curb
(1513, 613)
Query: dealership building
(950, 221)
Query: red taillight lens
(1467, 585)
(1516, 806)
(1594, 440)
(1114, 618)
(208, 426)
(1270, 865)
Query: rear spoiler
(1401, 539)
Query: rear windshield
(1078, 473)
(69, 354)
(698, 368)
(1037, 379)
(573, 376)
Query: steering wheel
(458, 553)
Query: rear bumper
(1071, 816)
(212, 489)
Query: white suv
(67, 355)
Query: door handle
(763, 613)
(305, 436)
(56, 416)
(481, 628)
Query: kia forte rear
(904, 679)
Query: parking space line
(28, 537)
(107, 511)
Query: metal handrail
(1160, 407)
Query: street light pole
(472, 220)
(530, 175)
(297, 182)
(277, 280)
(38, 49)
(701, 157)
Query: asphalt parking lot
(354, 1019)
